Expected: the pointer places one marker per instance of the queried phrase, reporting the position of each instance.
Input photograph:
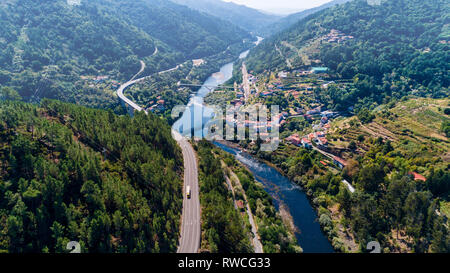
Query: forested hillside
(48, 48)
(291, 19)
(240, 15)
(387, 50)
(69, 173)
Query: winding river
(283, 191)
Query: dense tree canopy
(46, 46)
(397, 48)
(69, 173)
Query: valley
(114, 115)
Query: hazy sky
(281, 6)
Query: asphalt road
(190, 225)
(134, 81)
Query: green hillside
(387, 50)
(285, 22)
(69, 173)
(47, 46)
(240, 15)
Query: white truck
(188, 192)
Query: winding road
(190, 226)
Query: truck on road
(188, 192)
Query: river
(310, 236)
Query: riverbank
(284, 192)
(272, 228)
(342, 233)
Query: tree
(446, 128)
(7, 93)
(352, 145)
(371, 177)
(365, 116)
(416, 210)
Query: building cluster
(159, 105)
(319, 136)
(93, 81)
(336, 36)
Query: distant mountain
(45, 45)
(288, 21)
(240, 15)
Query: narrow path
(257, 246)
(288, 62)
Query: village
(293, 91)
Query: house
(319, 70)
(294, 139)
(307, 117)
(328, 114)
(323, 163)
(324, 120)
(320, 134)
(282, 74)
(314, 111)
(306, 143)
(418, 176)
(100, 79)
(322, 142)
(240, 205)
(341, 163)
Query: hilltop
(247, 18)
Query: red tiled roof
(418, 176)
(340, 160)
(240, 204)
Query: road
(246, 83)
(190, 226)
(140, 71)
(134, 81)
